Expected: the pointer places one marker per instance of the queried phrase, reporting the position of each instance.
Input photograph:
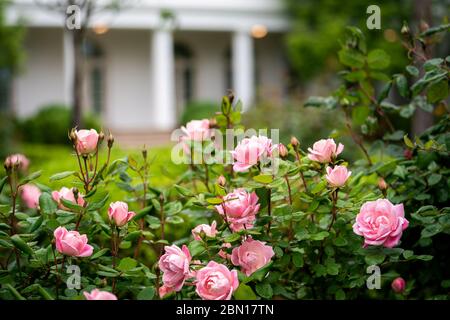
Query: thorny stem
(356, 138)
(143, 203)
(269, 208)
(290, 234)
(298, 157)
(158, 272)
(334, 198)
(14, 187)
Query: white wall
(41, 79)
(127, 83)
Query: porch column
(163, 93)
(243, 67)
(68, 66)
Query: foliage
(198, 110)
(317, 24)
(11, 38)
(284, 204)
(57, 117)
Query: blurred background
(141, 68)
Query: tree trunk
(77, 79)
(422, 12)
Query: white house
(143, 68)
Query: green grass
(52, 159)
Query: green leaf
(328, 103)
(71, 205)
(232, 237)
(378, 59)
(14, 292)
(174, 220)
(360, 114)
(433, 179)
(99, 253)
(374, 258)
(384, 92)
(36, 224)
(412, 70)
(320, 236)
(3, 182)
(263, 178)
(127, 264)
(424, 257)
(21, 244)
(46, 204)
(183, 191)
(408, 141)
(31, 177)
(196, 247)
(297, 259)
(146, 294)
(95, 205)
(61, 175)
(215, 200)
(340, 294)
(351, 58)
(319, 187)
(407, 254)
(264, 290)
(244, 292)
(402, 85)
(437, 91)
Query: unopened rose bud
(221, 181)
(110, 140)
(405, 29)
(230, 96)
(75, 193)
(294, 142)
(101, 137)
(382, 184)
(161, 198)
(144, 153)
(282, 150)
(408, 154)
(73, 136)
(398, 285)
(212, 122)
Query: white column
(243, 68)
(163, 93)
(68, 66)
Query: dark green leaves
(378, 59)
(46, 204)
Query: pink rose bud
(71, 243)
(209, 231)
(118, 212)
(216, 282)
(240, 208)
(17, 160)
(324, 150)
(398, 285)
(380, 223)
(294, 141)
(30, 195)
(382, 184)
(99, 295)
(86, 141)
(337, 176)
(251, 255)
(175, 265)
(68, 195)
(196, 130)
(282, 150)
(221, 181)
(250, 151)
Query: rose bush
(282, 221)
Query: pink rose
(250, 151)
(99, 295)
(71, 243)
(240, 208)
(282, 150)
(30, 195)
(216, 282)
(380, 223)
(18, 159)
(337, 176)
(118, 212)
(196, 130)
(324, 150)
(398, 285)
(175, 265)
(68, 195)
(209, 231)
(86, 141)
(251, 255)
